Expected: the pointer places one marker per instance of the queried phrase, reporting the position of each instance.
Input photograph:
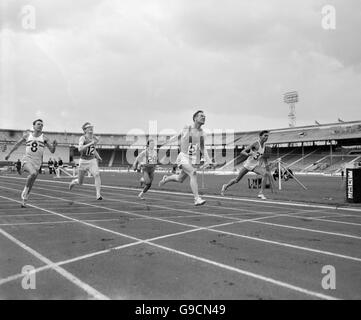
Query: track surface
(165, 248)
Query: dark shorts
(149, 168)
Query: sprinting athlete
(254, 152)
(191, 145)
(147, 160)
(33, 159)
(88, 159)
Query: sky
(122, 63)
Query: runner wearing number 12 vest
(88, 159)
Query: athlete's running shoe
(24, 197)
(223, 190)
(262, 196)
(72, 184)
(141, 195)
(199, 201)
(161, 182)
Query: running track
(165, 248)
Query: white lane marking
(211, 228)
(221, 265)
(327, 220)
(170, 208)
(67, 275)
(68, 261)
(307, 229)
(49, 214)
(296, 204)
(297, 247)
(246, 210)
(85, 220)
(251, 274)
(292, 215)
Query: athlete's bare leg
(31, 179)
(33, 173)
(187, 171)
(262, 171)
(79, 180)
(98, 184)
(180, 177)
(240, 175)
(148, 177)
(192, 173)
(269, 177)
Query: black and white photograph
(180, 155)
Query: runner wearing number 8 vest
(33, 159)
(88, 159)
(254, 152)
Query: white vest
(35, 147)
(253, 159)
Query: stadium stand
(309, 149)
(106, 155)
(119, 158)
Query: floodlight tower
(291, 98)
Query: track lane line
(67, 275)
(207, 261)
(261, 202)
(211, 228)
(292, 215)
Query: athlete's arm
(181, 135)
(137, 159)
(95, 139)
(207, 159)
(171, 140)
(82, 146)
(186, 132)
(97, 155)
(264, 157)
(248, 150)
(17, 145)
(52, 146)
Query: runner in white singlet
(33, 158)
(191, 146)
(88, 159)
(255, 153)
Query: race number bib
(192, 149)
(90, 151)
(34, 146)
(256, 155)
